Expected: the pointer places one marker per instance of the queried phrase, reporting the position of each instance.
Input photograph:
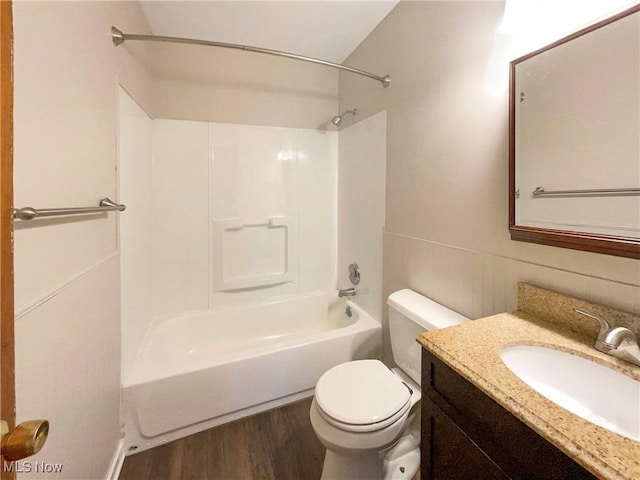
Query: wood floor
(275, 445)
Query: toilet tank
(410, 314)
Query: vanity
(481, 421)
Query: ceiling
(329, 29)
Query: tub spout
(347, 292)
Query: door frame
(7, 348)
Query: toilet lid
(361, 392)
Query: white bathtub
(200, 370)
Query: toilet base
(338, 466)
(398, 463)
(402, 461)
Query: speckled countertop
(473, 350)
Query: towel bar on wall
(540, 191)
(29, 213)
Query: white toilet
(367, 415)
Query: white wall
(220, 85)
(135, 163)
(68, 372)
(66, 270)
(447, 167)
(361, 188)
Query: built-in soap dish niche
(253, 254)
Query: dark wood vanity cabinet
(467, 435)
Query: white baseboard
(116, 463)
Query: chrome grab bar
(29, 213)
(540, 191)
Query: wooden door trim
(7, 350)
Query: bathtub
(200, 370)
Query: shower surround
(225, 218)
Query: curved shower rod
(118, 38)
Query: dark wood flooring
(275, 445)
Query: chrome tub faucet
(619, 342)
(347, 292)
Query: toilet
(368, 415)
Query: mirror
(574, 133)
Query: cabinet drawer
(519, 451)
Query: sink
(587, 389)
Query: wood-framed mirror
(574, 140)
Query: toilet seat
(362, 396)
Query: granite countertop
(473, 349)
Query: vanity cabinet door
(487, 439)
(448, 453)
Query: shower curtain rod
(118, 38)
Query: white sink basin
(588, 389)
